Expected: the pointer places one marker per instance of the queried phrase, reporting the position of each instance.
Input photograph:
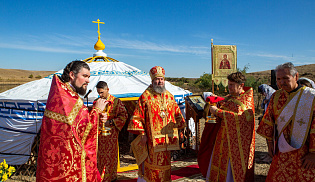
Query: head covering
(206, 94)
(157, 71)
(266, 89)
(309, 80)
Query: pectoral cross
(162, 114)
(98, 24)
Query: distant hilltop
(307, 71)
(17, 76)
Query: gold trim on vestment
(268, 122)
(229, 144)
(83, 155)
(310, 120)
(238, 103)
(248, 115)
(157, 167)
(301, 110)
(213, 166)
(162, 105)
(294, 112)
(276, 98)
(239, 142)
(64, 118)
(288, 122)
(270, 138)
(138, 120)
(86, 133)
(293, 115)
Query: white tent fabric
(20, 120)
(123, 81)
(21, 108)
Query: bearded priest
(68, 138)
(156, 120)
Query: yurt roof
(124, 81)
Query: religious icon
(225, 63)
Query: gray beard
(159, 89)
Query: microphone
(87, 94)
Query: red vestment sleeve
(206, 146)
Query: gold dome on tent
(99, 56)
(99, 45)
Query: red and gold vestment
(68, 139)
(159, 117)
(107, 155)
(234, 141)
(287, 166)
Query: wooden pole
(212, 65)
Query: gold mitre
(157, 71)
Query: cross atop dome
(99, 46)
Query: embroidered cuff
(217, 112)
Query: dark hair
(75, 67)
(101, 84)
(237, 77)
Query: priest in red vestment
(228, 146)
(107, 154)
(68, 139)
(157, 119)
(289, 127)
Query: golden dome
(99, 45)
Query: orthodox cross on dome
(99, 46)
(98, 25)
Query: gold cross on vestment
(98, 25)
(300, 121)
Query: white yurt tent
(22, 108)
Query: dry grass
(16, 76)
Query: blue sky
(176, 34)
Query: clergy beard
(159, 88)
(80, 90)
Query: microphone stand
(87, 98)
